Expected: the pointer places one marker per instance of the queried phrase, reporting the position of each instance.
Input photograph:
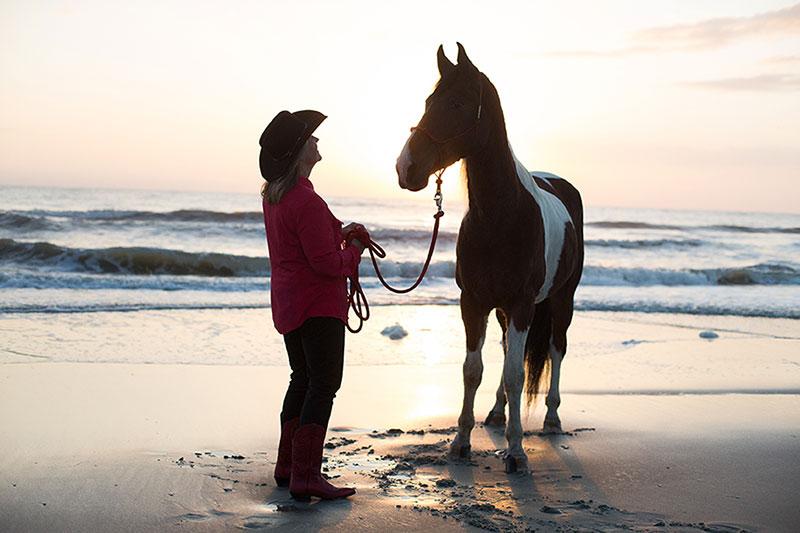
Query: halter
(474, 125)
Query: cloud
(619, 52)
(782, 60)
(765, 82)
(703, 35)
(717, 32)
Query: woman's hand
(360, 247)
(348, 228)
(357, 235)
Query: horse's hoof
(495, 419)
(460, 451)
(552, 426)
(515, 464)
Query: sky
(687, 104)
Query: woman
(309, 263)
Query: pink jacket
(309, 261)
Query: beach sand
(666, 431)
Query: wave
(123, 307)
(581, 304)
(140, 261)
(645, 243)
(181, 215)
(627, 224)
(133, 260)
(707, 309)
(760, 274)
(752, 229)
(408, 269)
(91, 281)
(43, 220)
(381, 235)
(20, 222)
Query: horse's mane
(496, 150)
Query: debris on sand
(183, 462)
(394, 332)
(632, 342)
(336, 442)
(708, 334)
(419, 475)
(423, 454)
(285, 507)
(443, 431)
(361, 449)
(393, 432)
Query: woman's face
(310, 155)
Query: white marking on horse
(404, 161)
(555, 217)
(513, 379)
(473, 372)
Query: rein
(355, 294)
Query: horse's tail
(537, 347)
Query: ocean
(92, 250)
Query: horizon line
(411, 198)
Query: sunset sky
(677, 104)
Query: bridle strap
(460, 134)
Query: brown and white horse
(519, 251)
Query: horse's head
(448, 130)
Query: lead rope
(355, 294)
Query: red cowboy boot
(306, 479)
(283, 466)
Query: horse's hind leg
(561, 309)
(475, 328)
(497, 416)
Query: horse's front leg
(513, 380)
(497, 416)
(475, 329)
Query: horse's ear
(462, 56)
(445, 65)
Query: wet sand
(667, 431)
(100, 447)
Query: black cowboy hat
(283, 139)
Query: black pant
(316, 356)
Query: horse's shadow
(555, 475)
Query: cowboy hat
(283, 139)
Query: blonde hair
(273, 191)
